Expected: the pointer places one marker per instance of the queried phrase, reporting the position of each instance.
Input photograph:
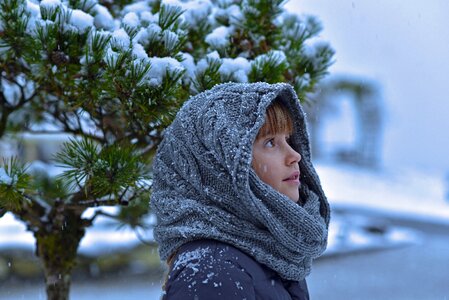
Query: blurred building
(346, 121)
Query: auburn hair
(278, 120)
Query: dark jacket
(210, 270)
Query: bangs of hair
(278, 120)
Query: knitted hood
(204, 186)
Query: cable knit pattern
(204, 186)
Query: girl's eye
(270, 143)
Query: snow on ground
(111, 289)
(412, 195)
(105, 237)
(406, 194)
(353, 233)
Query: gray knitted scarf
(204, 186)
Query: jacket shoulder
(208, 269)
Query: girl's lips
(293, 179)
(293, 176)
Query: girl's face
(277, 164)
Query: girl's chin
(293, 197)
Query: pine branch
(13, 184)
(102, 213)
(78, 201)
(150, 147)
(150, 242)
(7, 109)
(64, 120)
(51, 132)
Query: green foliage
(84, 5)
(196, 44)
(14, 20)
(208, 77)
(49, 189)
(79, 158)
(169, 37)
(113, 171)
(116, 7)
(12, 191)
(169, 17)
(258, 25)
(269, 68)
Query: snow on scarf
(204, 186)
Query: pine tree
(112, 75)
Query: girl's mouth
(293, 178)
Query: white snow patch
(137, 7)
(213, 55)
(149, 17)
(11, 91)
(106, 236)
(170, 39)
(121, 38)
(159, 67)
(350, 232)
(194, 11)
(219, 37)
(13, 234)
(33, 9)
(131, 19)
(139, 52)
(5, 178)
(103, 18)
(151, 33)
(277, 55)
(81, 20)
(189, 64)
(235, 14)
(204, 62)
(50, 3)
(239, 67)
(111, 57)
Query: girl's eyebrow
(266, 135)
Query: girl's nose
(293, 157)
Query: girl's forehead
(277, 120)
(264, 133)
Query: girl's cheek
(262, 168)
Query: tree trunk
(57, 249)
(57, 285)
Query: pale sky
(404, 45)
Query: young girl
(240, 209)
